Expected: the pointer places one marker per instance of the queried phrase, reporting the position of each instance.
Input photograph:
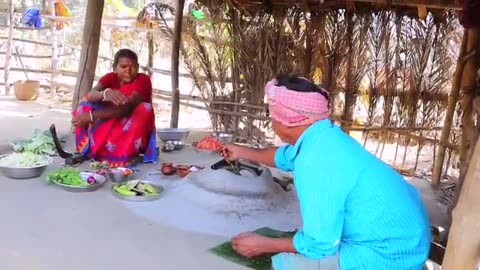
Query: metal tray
(101, 180)
(159, 189)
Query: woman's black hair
(300, 84)
(124, 53)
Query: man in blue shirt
(357, 211)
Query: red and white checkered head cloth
(293, 108)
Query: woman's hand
(232, 152)
(115, 96)
(81, 120)
(251, 244)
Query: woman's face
(126, 69)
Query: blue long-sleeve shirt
(353, 203)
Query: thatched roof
(349, 4)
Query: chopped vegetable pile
(135, 188)
(69, 176)
(103, 168)
(40, 142)
(23, 160)
(209, 143)
(99, 165)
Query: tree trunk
(90, 44)
(452, 102)
(8, 56)
(464, 239)
(177, 39)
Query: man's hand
(232, 152)
(115, 96)
(251, 244)
(81, 119)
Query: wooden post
(54, 62)
(452, 103)
(88, 57)
(8, 56)
(468, 91)
(177, 38)
(349, 85)
(150, 51)
(463, 248)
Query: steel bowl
(25, 172)
(117, 175)
(159, 194)
(224, 137)
(175, 145)
(101, 180)
(172, 134)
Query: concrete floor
(46, 228)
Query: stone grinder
(236, 167)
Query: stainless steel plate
(157, 196)
(99, 178)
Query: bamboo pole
(54, 62)
(464, 240)
(90, 44)
(176, 43)
(37, 56)
(150, 52)
(452, 102)
(8, 57)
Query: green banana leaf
(263, 262)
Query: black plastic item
(70, 159)
(239, 166)
(220, 164)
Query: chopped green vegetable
(135, 188)
(123, 190)
(67, 176)
(24, 160)
(263, 262)
(41, 142)
(149, 188)
(99, 165)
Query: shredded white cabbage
(23, 160)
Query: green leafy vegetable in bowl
(41, 142)
(24, 160)
(67, 176)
